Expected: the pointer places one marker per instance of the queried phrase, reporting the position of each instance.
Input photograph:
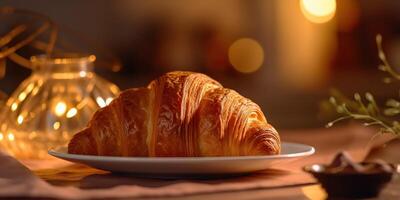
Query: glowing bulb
(1, 136)
(318, 11)
(22, 96)
(246, 55)
(114, 89)
(29, 88)
(109, 100)
(101, 102)
(56, 125)
(71, 112)
(20, 119)
(60, 108)
(35, 90)
(11, 136)
(14, 106)
(82, 73)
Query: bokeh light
(11, 136)
(100, 101)
(246, 55)
(56, 125)
(60, 108)
(14, 106)
(72, 112)
(20, 119)
(318, 11)
(109, 100)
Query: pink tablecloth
(63, 180)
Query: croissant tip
(81, 143)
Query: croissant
(179, 114)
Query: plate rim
(63, 155)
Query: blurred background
(283, 54)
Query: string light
(60, 108)
(114, 89)
(20, 119)
(82, 73)
(29, 88)
(109, 100)
(72, 112)
(42, 115)
(100, 101)
(22, 96)
(318, 11)
(35, 90)
(11, 136)
(56, 125)
(14, 106)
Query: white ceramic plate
(183, 166)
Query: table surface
(313, 192)
(310, 191)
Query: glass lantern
(52, 104)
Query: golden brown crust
(83, 143)
(178, 114)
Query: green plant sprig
(385, 66)
(366, 109)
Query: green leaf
(332, 100)
(357, 97)
(391, 111)
(393, 103)
(382, 55)
(382, 68)
(339, 109)
(387, 80)
(371, 109)
(369, 97)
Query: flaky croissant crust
(178, 114)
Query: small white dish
(187, 166)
